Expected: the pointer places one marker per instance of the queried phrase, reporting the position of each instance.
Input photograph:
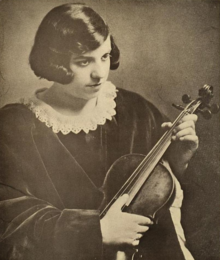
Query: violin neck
(161, 146)
(145, 168)
(143, 171)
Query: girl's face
(90, 71)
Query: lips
(94, 85)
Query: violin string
(166, 135)
(154, 153)
(148, 160)
(144, 164)
(140, 168)
(162, 140)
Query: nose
(98, 71)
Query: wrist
(179, 168)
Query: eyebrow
(82, 57)
(88, 57)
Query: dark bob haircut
(68, 29)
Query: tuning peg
(186, 99)
(214, 108)
(207, 114)
(178, 107)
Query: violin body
(154, 197)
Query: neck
(63, 102)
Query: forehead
(102, 49)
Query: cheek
(80, 75)
(107, 67)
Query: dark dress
(50, 184)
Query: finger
(142, 229)
(120, 202)
(141, 220)
(166, 125)
(139, 236)
(190, 138)
(191, 117)
(135, 242)
(184, 132)
(183, 125)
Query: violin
(146, 179)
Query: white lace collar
(104, 109)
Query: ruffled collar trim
(104, 109)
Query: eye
(82, 63)
(106, 56)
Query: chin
(92, 96)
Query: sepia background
(168, 48)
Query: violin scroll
(201, 104)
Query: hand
(185, 143)
(121, 228)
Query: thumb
(120, 202)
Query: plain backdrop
(168, 48)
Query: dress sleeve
(34, 228)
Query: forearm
(34, 225)
(77, 234)
(178, 167)
(37, 230)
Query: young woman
(57, 146)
